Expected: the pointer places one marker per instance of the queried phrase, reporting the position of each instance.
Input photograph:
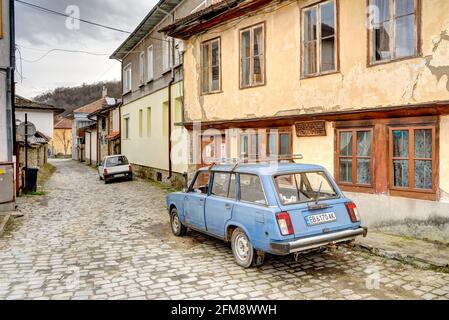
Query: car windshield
(304, 187)
(116, 161)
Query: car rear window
(304, 187)
(117, 161)
(251, 189)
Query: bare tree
(64, 137)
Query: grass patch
(165, 188)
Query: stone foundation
(177, 180)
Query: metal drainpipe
(170, 165)
(12, 45)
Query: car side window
(220, 186)
(201, 183)
(232, 190)
(251, 189)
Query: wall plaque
(311, 129)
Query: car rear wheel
(244, 253)
(177, 227)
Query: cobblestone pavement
(87, 240)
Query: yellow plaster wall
(356, 86)
(152, 151)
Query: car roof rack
(245, 161)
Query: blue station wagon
(279, 209)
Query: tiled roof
(23, 103)
(64, 123)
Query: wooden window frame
(279, 132)
(251, 57)
(418, 34)
(337, 40)
(209, 42)
(354, 185)
(1, 19)
(429, 194)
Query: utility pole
(26, 152)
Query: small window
(103, 124)
(355, 162)
(150, 64)
(149, 119)
(140, 123)
(141, 68)
(252, 56)
(220, 187)
(394, 33)
(210, 66)
(249, 146)
(201, 183)
(412, 158)
(126, 128)
(167, 56)
(319, 39)
(127, 78)
(279, 144)
(251, 189)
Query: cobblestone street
(88, 240)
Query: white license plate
(321, 218)
(119, 175)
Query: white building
(7, 189)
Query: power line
(64, 50)
(70, 17)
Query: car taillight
(105, 171)
(285, 223)
(130, 168)
(353, 212)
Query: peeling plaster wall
(357, 86)
(444, 159)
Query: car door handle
(227, 206)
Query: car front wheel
(244, 253)
(177, 227)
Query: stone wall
(177, 180)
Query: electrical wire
(31, 5)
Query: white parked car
(115, 167)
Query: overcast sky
(37, 32)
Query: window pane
(404, 7)
(364, 171)
(201, 182)
(345, 144)
(272, 144)
(364, 144)
(328, 54)
(310, 58)
(221, 184)
(205, 70)
(405, 36)
(257, 70)
(251, 189)
(381, 38)
(327, 19)
(383, 7)
(232, 190)
(284, 145)
(345, 170)
(244, 146)
(215, 78)
(401, 170)
(255, 146)
(245, 44)
(401, 143)
(423, 174)
(423, 143)
(310, 24)
(258, 41)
